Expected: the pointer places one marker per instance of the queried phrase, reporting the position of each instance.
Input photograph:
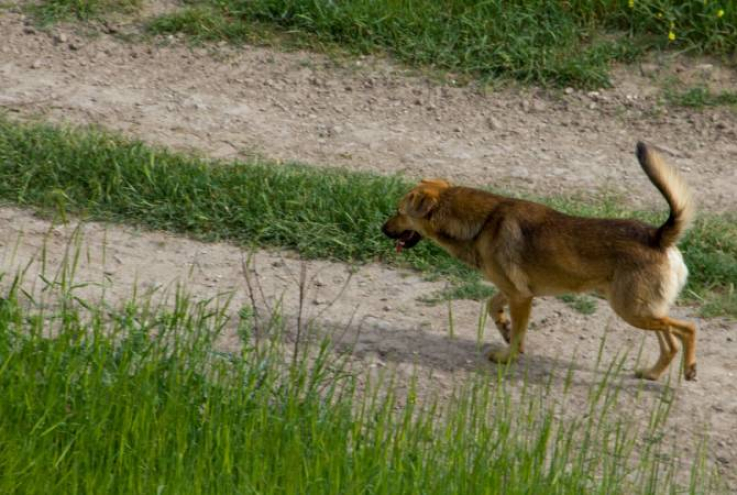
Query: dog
(527, 250)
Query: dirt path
(232, 103)
(297, 106)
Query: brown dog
(527, 250)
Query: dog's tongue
(399, 246)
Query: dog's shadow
(433, 351)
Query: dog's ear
(420, 203)
(439, 184)
(424, 198)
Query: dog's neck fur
(454, 225)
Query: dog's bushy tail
(676, 192)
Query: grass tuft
(473, 290)
(586, 305)
(701, 97)
(48, 11)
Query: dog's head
(412, 221)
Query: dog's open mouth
(407, 239)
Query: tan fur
(676, 193)
(527, 249)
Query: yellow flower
(720, 13)
(672, 36)
(632, 4)
(660, 15)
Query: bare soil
(371, 115)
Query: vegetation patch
(542, 42)
(137, 399)
(473, 290)
(47, 11)
(701, 97)
(586, 305)
(319, 212)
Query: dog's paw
(689, 373)
(500, 356)
(647, 374)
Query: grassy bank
(319, 212)
(138, 400)
(543, 42)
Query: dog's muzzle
(403, 240)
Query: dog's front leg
(495, 308)
(519, 310)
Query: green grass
(701, 97)
(586, 305)
(318, 212)
(48, 11)
(537, 41)
(474, 290)
(136, 399)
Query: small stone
(60, 38)
(569, 91)
(519, 173)
(318, 282)
(539, 106)
(29, 30)
(649, 70)
(705, 69)
(386, 308)
(492, 124)
(382, 326)
(457, 129)
(74, 46)
(36, 64)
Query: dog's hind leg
(495, 308)
(686, 333)
(519, 310)
(668, 350)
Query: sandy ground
(370, 115)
